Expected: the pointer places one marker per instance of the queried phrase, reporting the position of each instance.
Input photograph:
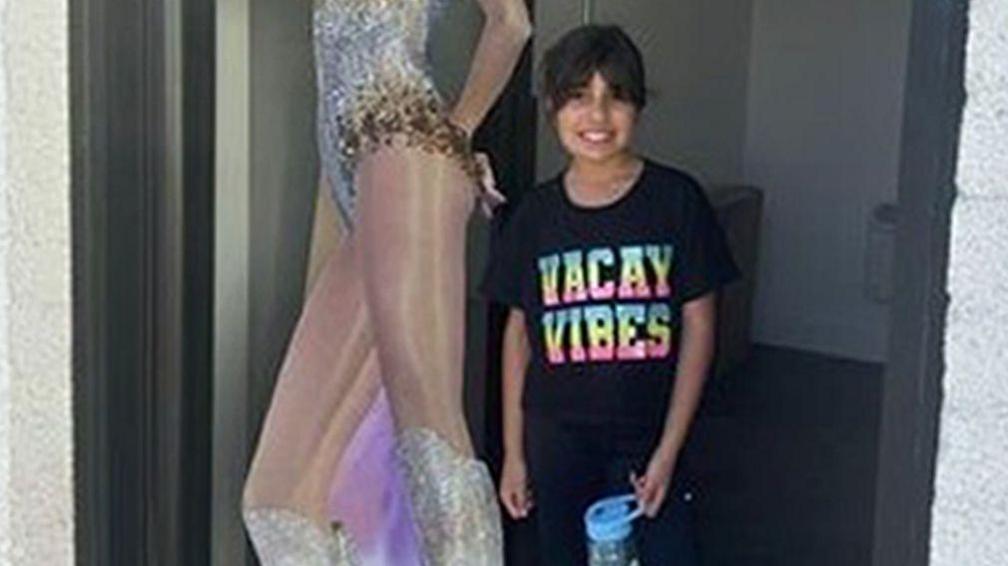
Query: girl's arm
(514, 491)
(506, 29)
(696, 350)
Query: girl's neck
(596, 184)
(593, 173)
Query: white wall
(36, 433)
(970, 511)
(824, 114)
(696, 54)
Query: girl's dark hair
(569, 64)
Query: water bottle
(609, 526)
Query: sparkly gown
(364, 456)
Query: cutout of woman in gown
(379, 343)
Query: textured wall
(36, 497)
(970, 512)
(823, 140)
(4, 308)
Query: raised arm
(506, 29)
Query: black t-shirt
(602, 288)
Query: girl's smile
(596, 124)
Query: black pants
(573, 465)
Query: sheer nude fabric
(368, 401)
(327, 234)
(412, 222)
(327, 383)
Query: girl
(610, 270)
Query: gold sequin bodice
(374, 86)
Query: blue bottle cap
(610, 519)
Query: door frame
(141, 205)
(912, 388)
(143, 219)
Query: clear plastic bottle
(609, 528)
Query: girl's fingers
(645, 494)
(507, 498)
(519, 505)
(517, 502)
(649, 494)
(637, 481)
(655, 502)
(514, 505)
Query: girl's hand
(514, 490)
(491, 198)
(652, 488)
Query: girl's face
(594, 125)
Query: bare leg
(412, 216)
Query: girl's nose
(599, 109)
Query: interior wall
(696, 55)
(823, 136)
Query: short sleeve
(501, 281)
(706, 262)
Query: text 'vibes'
(607, 303)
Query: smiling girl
(610, 270)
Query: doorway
(147, 335)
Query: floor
(786, 447)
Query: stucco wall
(4, 307)
(970, 512)
(36, 494)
